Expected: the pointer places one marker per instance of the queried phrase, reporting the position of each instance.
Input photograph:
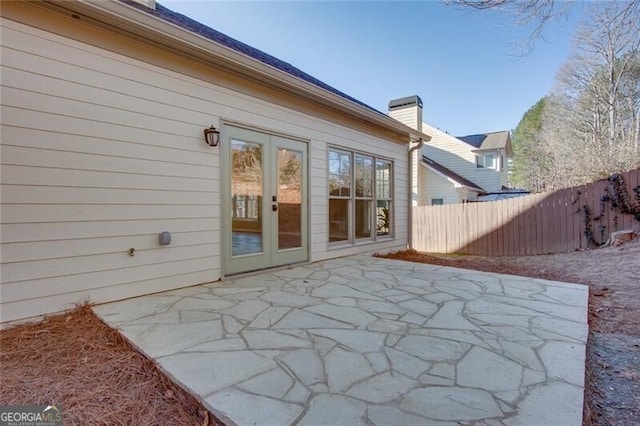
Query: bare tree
(592, 119)
(535, 13)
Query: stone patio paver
(363, 340)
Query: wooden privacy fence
(551, 222)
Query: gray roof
(494, 140)
(450, 173)
(216, 36)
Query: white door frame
(268, 234)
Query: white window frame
(352, 198)
(481, 161)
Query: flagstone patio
(363, 340)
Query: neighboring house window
(437, 201)
(360, 196)
(487, 161)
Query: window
(339, 195)
(383, 197)
(360, 196)
(437, 201)
(364, 196)
(487, 161)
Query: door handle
(274, 207)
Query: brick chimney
(408, 111)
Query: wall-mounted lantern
(212, 136)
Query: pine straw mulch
(75, 361)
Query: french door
(265, 215)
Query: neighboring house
(439, 185)
(103, 110)
(455, 169)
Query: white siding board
(27, 156)
(16, 275)
(64, 89)
(29, 194)
(85, 110)
(24, 119)
(35, 138)
(57, 249)
(61, 231)
(81, 142)
(49, 176)
(21, 213)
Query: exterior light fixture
(212, 136)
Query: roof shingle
(493, 140)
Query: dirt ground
(75, 361)
(612, 384)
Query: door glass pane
(246, 197)
(338, 220)
(289, 198)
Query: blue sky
(465, 65)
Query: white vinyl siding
(410, 115)
(504, 171)
(101, 152)
(433, 185)
(457, 156)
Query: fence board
(485, 241)
(471, 215)
(523, 216)
(547, 211)
(495, 243)
(561, 214)
(568, 212)
(632, 184)
(539, 229)
(550, 222)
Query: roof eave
(131, 20)
(480, 150)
